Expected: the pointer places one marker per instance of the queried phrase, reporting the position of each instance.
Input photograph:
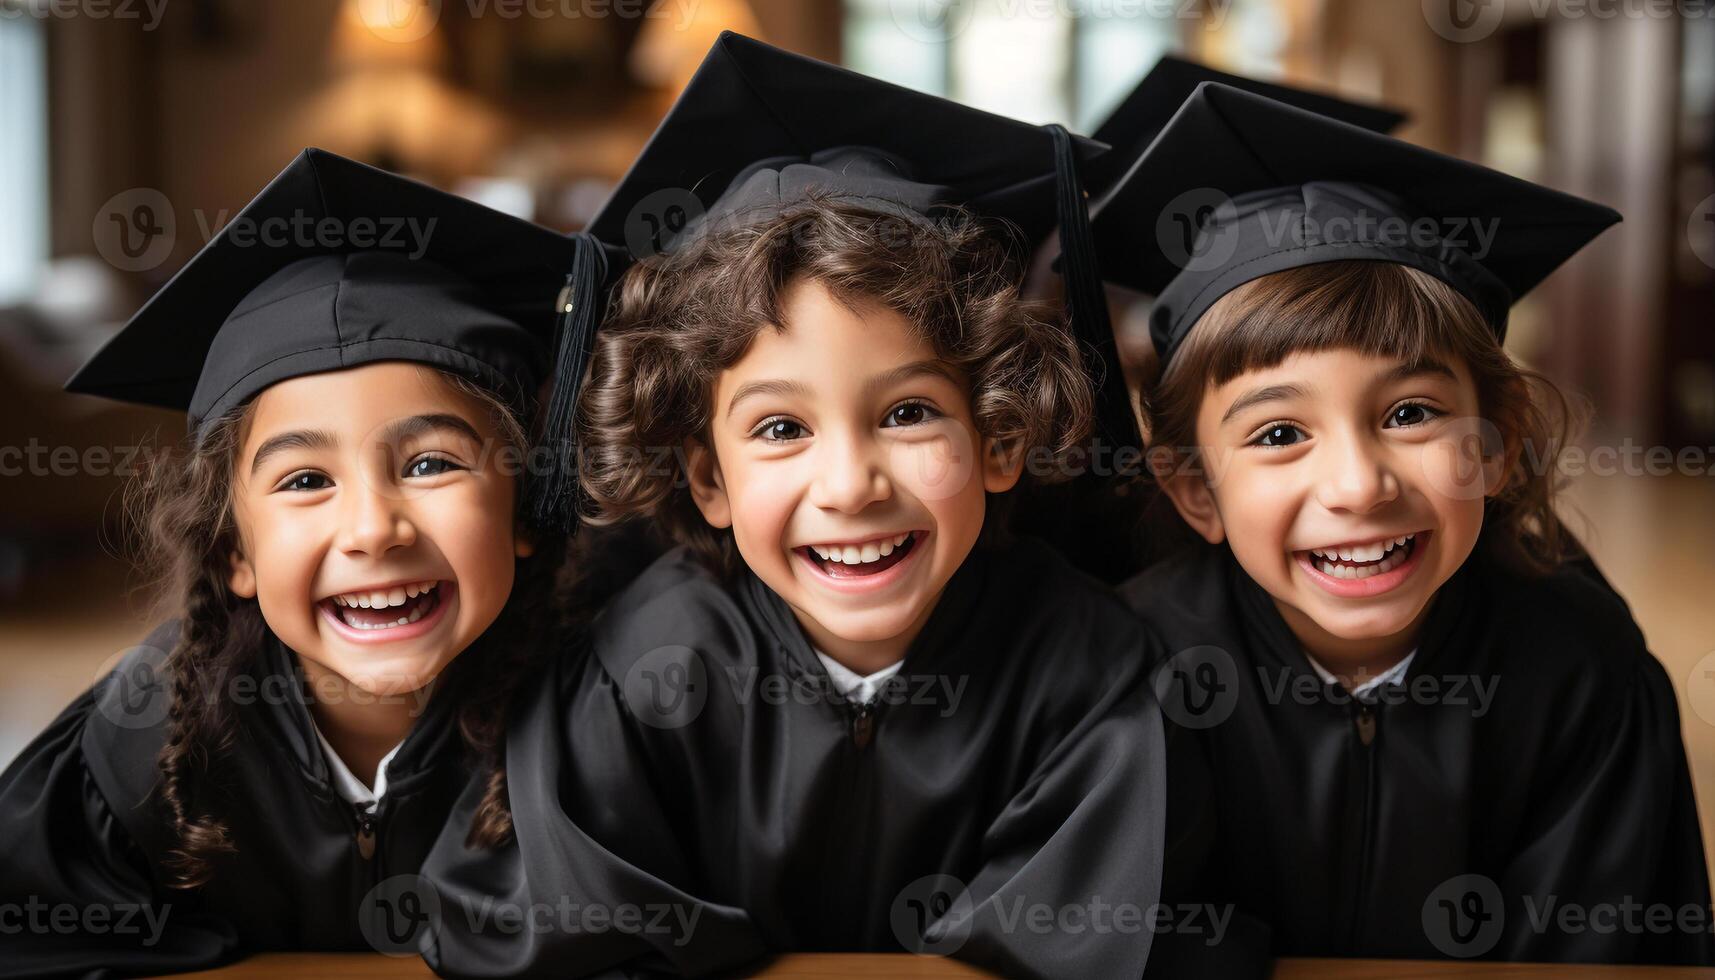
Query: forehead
(357, 400)
(830, 337)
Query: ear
(1003, 465)
(1497, 465)
(708, 487)
(1195, 502)
(242, 580)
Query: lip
(448, 590)
(1346, 588)
(865, 584)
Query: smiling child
(352, 588)
(844, 715)
(1433, 729)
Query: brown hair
(182, 512)
(678, 321)
(1387, 310)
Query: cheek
(284, 548)
(473, 530)
(939, 467)
(1258, 507)
(762, 495)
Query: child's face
(352, 490)
(1335, 454)
(847, 464)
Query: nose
(849, 475)
(374, 522)
(1357, 477)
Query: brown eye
(910, 413)
(306, 482)
(1410, 415)
(1281, 435)
(781, 430)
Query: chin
(1368, 625)
(866, 627)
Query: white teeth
(852, 554)
(381, 600)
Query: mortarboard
(758, 130)
(1141, 115)
(1239, 186)
(336, 264)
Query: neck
(362, 727)
(864, 657)
(1352, 662)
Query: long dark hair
(181, 510)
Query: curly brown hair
(181, 510)
(677, 321)
(1387, 310)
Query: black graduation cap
(1239, 186)
(1140, 116)
(336, 264)
(758, 130)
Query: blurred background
(132, 130)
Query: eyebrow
(402, 429)
(1415, 369)
(395, 432)
(887, 379)
(1257, 396)
(296, 439)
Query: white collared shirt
(347, 785)
(1392, 675)
(854, 686)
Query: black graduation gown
(1438, 820)
(698, 760)
(83, 837)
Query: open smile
(386, 613)
(1358, 570)
(862, 565)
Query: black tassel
(1086, 302)
(556, 495)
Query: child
(1431, 733)
(353, 589)
(839, 718)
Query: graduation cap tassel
(1086, 303)
(555, 499)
